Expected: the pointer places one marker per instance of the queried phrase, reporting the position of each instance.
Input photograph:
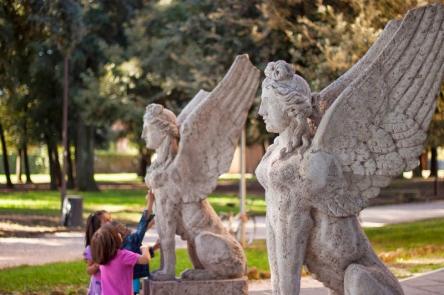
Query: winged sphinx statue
(193, 150)
(336, 149)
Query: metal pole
(243, 187)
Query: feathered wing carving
(210, 129)
(328, 95)
(191, 106)
(377, 126)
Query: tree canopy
(126, 54)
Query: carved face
(272, 111)
(152, 135)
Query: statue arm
(166, 227)
(291, 241)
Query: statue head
(285, 96)
(159, 123)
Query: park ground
(409, 248)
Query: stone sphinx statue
(336, 149)
(193, 150)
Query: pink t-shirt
(117, 275)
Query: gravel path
(65, 246)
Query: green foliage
(126, 54)
(64, 23)
(36, 162)
(19, 36)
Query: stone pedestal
(182, 287)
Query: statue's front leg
(272, 259)
(166, 227)
(292, 234)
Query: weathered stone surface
(193, 150)
(337, 148)
(181, 287)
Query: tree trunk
(26, 162)
(71, 180)
(64, 132)
(424, 160)
(85, 157)
(18, 165)
(58, 168)
(52, 172)
(5, 159)
(434, 162)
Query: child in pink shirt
(116, 266)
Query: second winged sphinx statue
(193, 150)
(338, 148)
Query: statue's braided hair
(295, 95)
(162, 118)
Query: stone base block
(182, 287)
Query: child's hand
(146, 252)
(145, 257)
(92, 268)
(156, 245)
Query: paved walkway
(64, 246)
(389, 214)
(431, 283)
(69, 245)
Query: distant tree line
(122, 55)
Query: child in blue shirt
(132, 241)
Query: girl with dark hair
(116, 265)
(93, 223)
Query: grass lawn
(407, 249)
(125, 205)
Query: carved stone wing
(329, 94)
(192, 105)
(210, 130)
(377, 126)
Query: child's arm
(145, 219)
(153, 248)
(150, 199)
(145, 257)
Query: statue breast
(280, 175)
(157, 177)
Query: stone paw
(161, 276)
(197, 274)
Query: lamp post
(243, 187)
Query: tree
(45, 114)
(19, 32)
(97, 107)
(66, 28)
(5, 158)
